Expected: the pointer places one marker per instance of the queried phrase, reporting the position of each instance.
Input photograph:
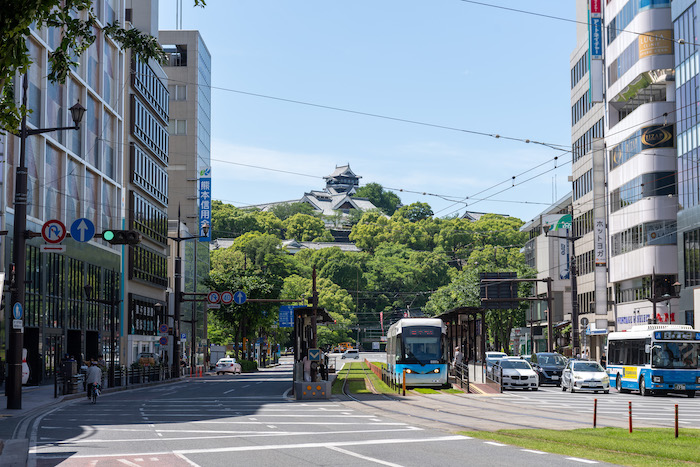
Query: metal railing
(495, 379)
(123, 377)
(461, 373)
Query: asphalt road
(249, 419)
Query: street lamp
(574, 288)
(17, 289)
(114, 303)
(179, 293)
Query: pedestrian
(93, 378)
(584, 355)
(458, 358)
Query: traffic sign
(53, 231)
(226, 297)
(17, 311)
(163, 340)
(286, 316)
(82, 230)
(163, 328)
(314, 355)
(17, 324)
(240, 297)
(52, 248)
(213, 297)
(183, 336)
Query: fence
(461, 373)
(123, 377)
(385, 376)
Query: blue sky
(445, 63)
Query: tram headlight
(408, 370)
(436, 370)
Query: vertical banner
(595, 49)
(205, 205)
(599, 232)
(381, 321)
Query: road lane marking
(277, 447)
(360, 456)
(126, 462)
(272, 434)
(493, 443)
(533, 451)
(585, 461)
(230, 390)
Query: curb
(14, 453)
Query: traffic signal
(122, 237)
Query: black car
(549, 367)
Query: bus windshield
(675, 355)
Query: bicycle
(95, 392)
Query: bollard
(630, 415)
(676, 420)
(595, 412)
(404, 381)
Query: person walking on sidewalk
(93, 378)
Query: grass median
(643, 447)
(356, 374)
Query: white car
(585, 375)
(516, 374)
(491, 358)
(228, 365)
(351, 353)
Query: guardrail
(496, 378)
(123, 377)
(385, 376)
(461, 373)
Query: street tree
(387, 201)
(305, 228)
(76, 20)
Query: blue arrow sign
(82, 230)
(314, 355)
(240, 297)
(286, 316)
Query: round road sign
(226, 297)
(163, 328)
(213, 297)
(82, 230)
(240, 297)
(53, 231)
(164, 340)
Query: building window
(177, 127)
(178, 92)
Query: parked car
(585, 375)
(491, 358)
(351, 353)
(549, 367)
(228, 365)
(516, 373)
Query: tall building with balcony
(687, 66)
(641, 158)
(189, 83)
(588, 190)
(71, 175)
(146, 195)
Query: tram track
(503, 414)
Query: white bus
(655, 358)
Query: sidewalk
(14, 423)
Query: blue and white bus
(655, 358)
(417, 345)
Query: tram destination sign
(677, 335)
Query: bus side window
(399, 348)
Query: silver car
(228, 365)
(351, 353)
(584, 375)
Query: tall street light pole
(178, 295)
(113, 303)
(17, 288)
(574, 288)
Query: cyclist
(93, 378)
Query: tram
(418, 345)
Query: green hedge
(248, 367)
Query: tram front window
(422, 345)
